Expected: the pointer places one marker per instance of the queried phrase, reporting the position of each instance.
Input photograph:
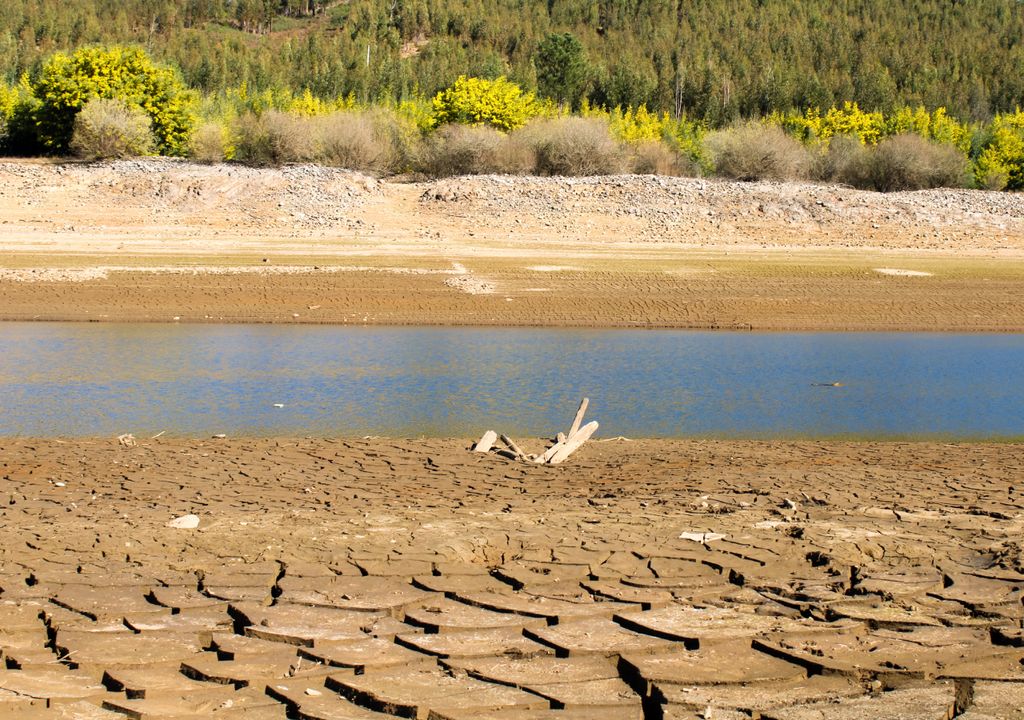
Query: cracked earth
(351, 580)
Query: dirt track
(160, 240)
(373, 578)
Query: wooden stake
(486, 442)
(574, 442)
(579, 417)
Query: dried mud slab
(363, 579)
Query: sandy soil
(373, 578)
(166, 241)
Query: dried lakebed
(372, 579)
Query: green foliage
(1001, 161)
(713, 61)
(561, 68)
(107, 129)
(475, 101)
(8, 101)
(68, 82)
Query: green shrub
(574, 146)
(475, 101)
(909, 162)
(106, 129)
(68, 82)
(18, 120)
(755, 151)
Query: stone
(185, 522)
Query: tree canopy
(561, 68)
(712, 59)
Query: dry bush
(460, 150)
(208, 141)
(465, 150)
(106, 129)
(274, 138)
(845, 162)
(653, 157)
(910, 162)
(516, 156)
(753, 151)
(574, 146)
(367, 141)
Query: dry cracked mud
(375, 578)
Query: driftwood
(486, 442)
(563, 446)
(579, 417)
(573, 442)
(513, 447)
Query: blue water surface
(72, 379)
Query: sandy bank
(159, 239)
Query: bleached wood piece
(560, 437)
(574, 442)
(579, 417)
(513, 447)
(550, 452)
(486, 442)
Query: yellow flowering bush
(498, 103)
(68, 82)
(813, 127)
(1001, 161)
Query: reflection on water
(86, 379)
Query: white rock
(701, 537)
(185, 522)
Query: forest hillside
(712, 60)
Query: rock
(185, 522)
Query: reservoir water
(73, 379)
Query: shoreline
(801, 329)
